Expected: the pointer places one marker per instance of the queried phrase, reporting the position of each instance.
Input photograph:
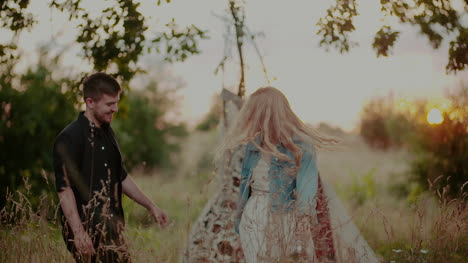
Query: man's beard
(102, 118)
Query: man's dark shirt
(88, 160)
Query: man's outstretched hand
(159, 216)
(133, 191)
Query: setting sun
(435, 116)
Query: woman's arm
(307, 185)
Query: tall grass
(402, 223)
(401, 226)
(26, 233)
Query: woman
(283, 212)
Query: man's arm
(65, 159)
(130, 189)
(81, 240)
(68, 205)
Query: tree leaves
(384, 40)
(437, 20)
(337, 25)
(178, 44)
(114, 41)
(34, 107)
(14, 16)
(458, 52)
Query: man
(90, 178)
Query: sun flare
(435, 116)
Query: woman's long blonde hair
(267, 114)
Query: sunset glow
(435, 116)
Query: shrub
(34, 108)
(146, 136)
(442, 150)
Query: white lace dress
(265, 236)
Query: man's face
(104, 108)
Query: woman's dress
(266, 236)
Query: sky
(321, 86)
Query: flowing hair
(268, 115)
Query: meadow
(401, 222)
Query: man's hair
(100, 83)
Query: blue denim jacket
(286, 192)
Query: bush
(145, 135)
(37, 105)
(212, 118)
(382, 126)
(34, 108)
(439, 150)
(442, 150)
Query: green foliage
(178, 44)
(440, 151)
(384, 39)
(34, 108)
(382, 127)
(401, 251)
(211, 120)
(37, 105)
(437, 20)
(113, 41)
(362, 188)
(443, 240)
(442, 156)
(13, 15)
(408, 190)
(118, 39)
(337, 25)
(415, 192)
(102, 41)
(145, 135)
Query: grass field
(400, 222)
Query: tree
(238, 34)
(441, 150)
(214, 115)
(34, 108)
(436, 19)
(147, 138)
(36, 105)
(114, 40)
(383, 126)
(439, 155)
(238, 15)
